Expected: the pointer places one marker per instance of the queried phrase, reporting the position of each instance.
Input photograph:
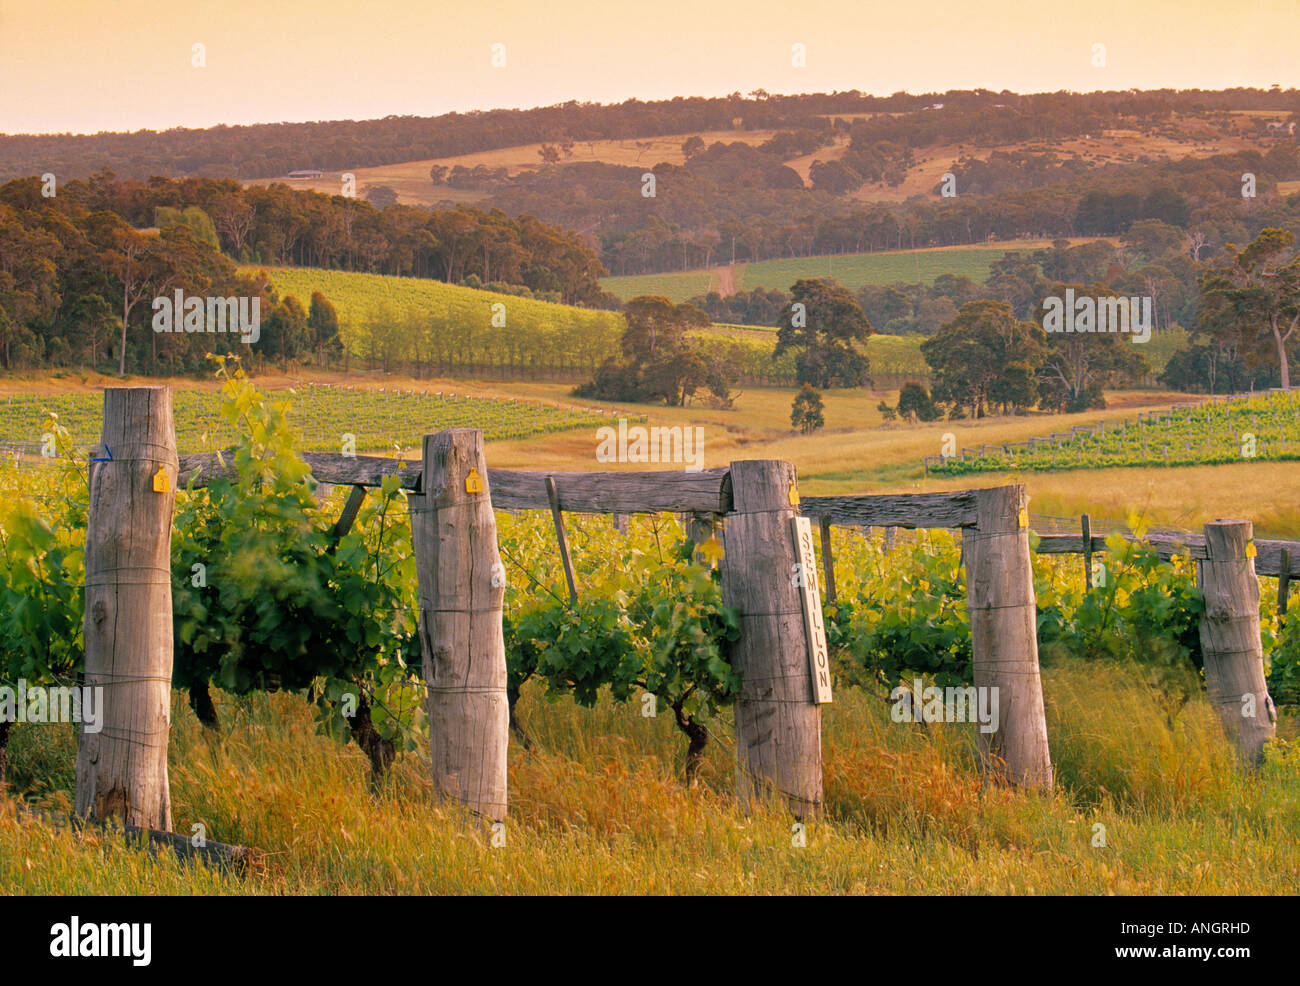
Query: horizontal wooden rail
(911, 510)
(1268, 560)
(707, 491)
(239, 859)
(669, 490)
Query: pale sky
(89, 65)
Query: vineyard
(853, 270)
(289, 619)
(1261, 427)
(395, 320)
(378, 419)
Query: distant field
(888, 354)
(860, 269)
(677, 287)
(853, 270)
(410, 179)
(398, 318)
(379, 314)
(379, 419)
(1263, 427)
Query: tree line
(279, 225)
(267, 150)
(81, 264)
(1245, 314)
(724, 206)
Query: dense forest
(80, 267)
(701, 216)
(282, 225)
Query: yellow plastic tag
(162, 483)
(1024, 517)
(473, 482)
(1250, 550)
(712, 550)
(794, 496)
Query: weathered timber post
(1004, 637)
(1230, 640)
(778, 725)
(122, 768)
(462, 587)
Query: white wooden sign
(805, 579)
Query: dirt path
(726, 285)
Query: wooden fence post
(462, 587)
(1230, 639)
(1004, 636)
(122, 768)
(778, 726)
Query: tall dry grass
(597, 806)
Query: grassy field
(860, 269)
(598, 807)
(890, 355)
(677, 287)
(853, 270)
(379, 419)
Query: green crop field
(857, 270)
(379, 419)
(889, 355)
(677, 287)
(421, 320)
(396, 319)
(1265, 427)
(853, 270)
